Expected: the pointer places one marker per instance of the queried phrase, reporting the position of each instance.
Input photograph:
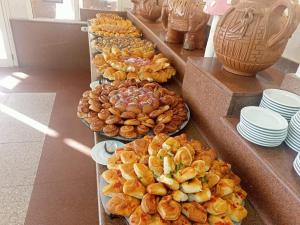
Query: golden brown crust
(122, 204)
(169, 209)
(194, 211)
(111, 130)
(149, 203)
(134, 188)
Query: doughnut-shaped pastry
(183, 156)
(185, 174)
(171, 144)
(122, 204)
(139, 217)
(157, 189)
(142, 129)
(202, 196)
(111, 130)
(128, 157)
(155, 165)
(132, 122)
(143, 173)
(182, 220)
(169, 209)
(159, 128)
(170, 182)
(179, 196)
(97, 125)
(149, 203)
(216, 206)
(169, 165)
(113, 188)
(103, 114)
(127, 171)
(134, 188)
(128, 115)
(191, 186)
(225, 187)
(128, 132)
(114, 111)
(194, 212)
(112, 119)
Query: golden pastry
(114, 162)
(216, 206)
(183, 156)
(112, 119)
(128, 132)
(224, 187)
(194, 212)
(97, 125)
(134, 188)
(199, 166)
(155, 165)
(216, 220)
(111, 130)
(169, 165)
(140, 146)
(236, 212)
(159, 128)
(139, 217)
(103, 114)
(127, 171)
(112, 175)
(182, 220)
(185, 174)
(170, 182)
(163, 153)
(179, 196)
(142, 129)
(201, 196)
(165, 118)
(128, 157)
(143, 173)
(157, 220)
(128, 115)
(171, 144)
(132, 122)
(122, 204)
(212, 179)
(157, 189)
(95, 108)
(191, 186)
(114, 111)
(112, 188)
(156, 143)
(169, 209)
(149, 203)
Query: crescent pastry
(170, 182)
(171, 144)
(202, 196)
(224, 187)
(157, 189)
(179, 196)
(183, 156)
(191, 186)
(111, 176)
(114, 162)
(143, 173)
(194, 212)
(199, 166)
(155, 165)
(185, 174)
(149, 203)
(216, 206)
(122, 204)
(127, 171)
(134, 188)
(169, 209)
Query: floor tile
(19, 163)
(14, 203)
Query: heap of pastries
(111, 25)
(104, 44)
(131, 109)
(117, 64)
(172, 181)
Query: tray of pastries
(104, 44)
(171, 181)
(126, 110)
(117, 64)
(111, 25)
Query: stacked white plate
(293, 138)
(283, 102)
(296, 164)
(262, 126)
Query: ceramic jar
(148, 9)
(252, 34)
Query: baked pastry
(191, 186)
(169, 165)
(182, 220)
(155, 165)
(185, 174)
(128, 157)
(157, 189)
(216, 220)
(149, 203)
(179, 196)
(199, 166)
(216, 206)
(111, 176)
(237, 212)
(134, 188)
(97, 125)
(122, 204)
(143, 173)
(169, 209)
(128, 131)
(201, 196)
(113, 188)
(170, 182)
(183, 156)
(139, 217)
(142, 129)
(194, 212)
(171, 144)
(114, 162)
(127, 171)
(225, 187)
(110, 130)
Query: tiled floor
(52, 177)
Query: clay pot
(252, 35)
(148, 9)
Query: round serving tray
(120, 138)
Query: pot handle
(288, 27)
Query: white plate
(279, 106)
(264, 118)
(279, 110)
(266, 133)
(261, 135)
(99, 154)
(256, 141)
(296, 168)
(282, 97)
(292, 146)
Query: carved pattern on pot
(148, 9)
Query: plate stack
(262, 126)
(296, 164)
(283, 102)
(293, 138)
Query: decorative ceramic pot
(252, 35)
(184, 20)
(148, 9)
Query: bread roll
(134, 188)
(122, 204)
(157, 189)
(170, 182)
(169, 165)
(179, 196)
(127, 171)
(143, 173)
(194, 212)
(155, 165)
(191, 186)
(149, 203)
(224, 187)
(185, 174)
(216, 206)
(202, 196)
(169, 209)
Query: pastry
(149, 203)
(201, 196)
(199, 166)
(134, 188)
(112, 175)
(97, 125)
(159, 128)
(114, 162)
(216, 220)
(128, 157)
(112, 119)
(103, 114)
(169, 209)
(128, 115)
(128, 132)
(237, 212)
(139, 217)
(225, 187)
(179, 196)
(155, 165)
(191, 186)
(122, 204)
(194, 212)
(185, 174)
(132, 122)
(169, 165)
(142, 129)
(157, 189)
(170, 182)
(183, 156)
(171, 144)
(111, 130)
(182, 220)
(127, 171)
(143, 173)
(112, 188)
(216, 206)
(140, 146)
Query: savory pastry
(212, 179)
(169, 209)
(128, 157)
(224, 187)
(155, 165)
(185, 174)
(128, 115)
(183, 156)
(110, 130)
(157, 220)
(179, 196)
(162, 153)
(111, 176)
(149, 203)
(140, 146)
(112, 188)
(201, 196)
(114, 162)
(182, 220)
(236, 212)
(169, 165)
(157, 189)
(122, 204)
(142, 129)
(132, 122)
(216, 206)
(139, 217)
(199, 166)
(143, 173)
(134, 188)
(216, 220)
(170, 182)
(128, 132)
(127, 171)
(194, 212)
(191, 186)
(97, 125)
(171, 144)
(156, 144)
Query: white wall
(292, 50)
(20, 9)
